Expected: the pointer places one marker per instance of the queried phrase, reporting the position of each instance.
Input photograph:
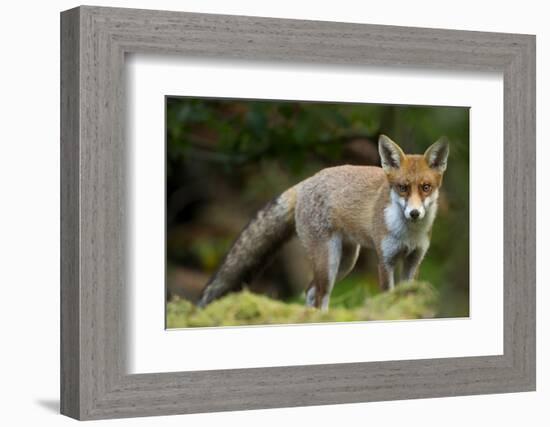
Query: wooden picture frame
(94, 382)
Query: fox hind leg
(325, 260)
(350, 253)
(310, 294)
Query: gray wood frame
(94, 41)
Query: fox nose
(414, 214)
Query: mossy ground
(414, 300)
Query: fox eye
(426, 188)
(402, 188)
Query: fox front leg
(389, 252)
(411, 263)
(386, 273)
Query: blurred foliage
(414, 300)
(226, 158)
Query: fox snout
(414, 213)
(414, 208)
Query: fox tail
(271, 227)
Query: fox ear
(391, 155)
(436, 155)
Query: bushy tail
(272, 226)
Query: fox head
(414, 178)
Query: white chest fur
(405, 236)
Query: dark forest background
(226, 158)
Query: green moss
(407, 301)
(414, 300)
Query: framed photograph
(357, 226)
(262, 213)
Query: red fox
(339, 210)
